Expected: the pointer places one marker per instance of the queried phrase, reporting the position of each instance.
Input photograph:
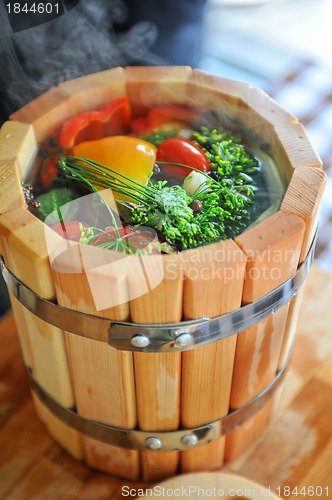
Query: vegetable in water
(213, 203)
(129, 156)
(193, 181)
(55, 205)
(165, 117)
(228, 158)
(177, 150)
(48, 173)
(112, 119)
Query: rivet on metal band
(172, 337)
(177, 440)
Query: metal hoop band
(178, 440)
(172, 337)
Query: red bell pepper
(177, 116)
(49, 173)
(170, 113)
(112, 119)
(139, 125)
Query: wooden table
(296, 451)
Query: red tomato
(49, 173)
(70, 230)
(178, 150)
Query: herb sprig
(228, 157)
(219, 218)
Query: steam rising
(82, 41)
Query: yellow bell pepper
(126, 155)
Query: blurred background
(281, 46)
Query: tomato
(48, 173)
(70, 230)
(111, 119)
(178, 150)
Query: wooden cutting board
(293, 455)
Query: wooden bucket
(208, 389)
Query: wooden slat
(22, 330)
(213, 285)
(157, 375)
(45, 113)
(25, 251)
(11, 196)
(303, 198)
(26, 255)
(150, 86)
(93, 91)
(69, 439)
(239, 101)
(49, 366)
(289, 143)
(18, 146)
(296, 143)
(103, 377)
(272, 248)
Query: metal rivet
(190, 440)
(183, 339)
(153, 443)
(140, 341)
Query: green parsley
(228, 157)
